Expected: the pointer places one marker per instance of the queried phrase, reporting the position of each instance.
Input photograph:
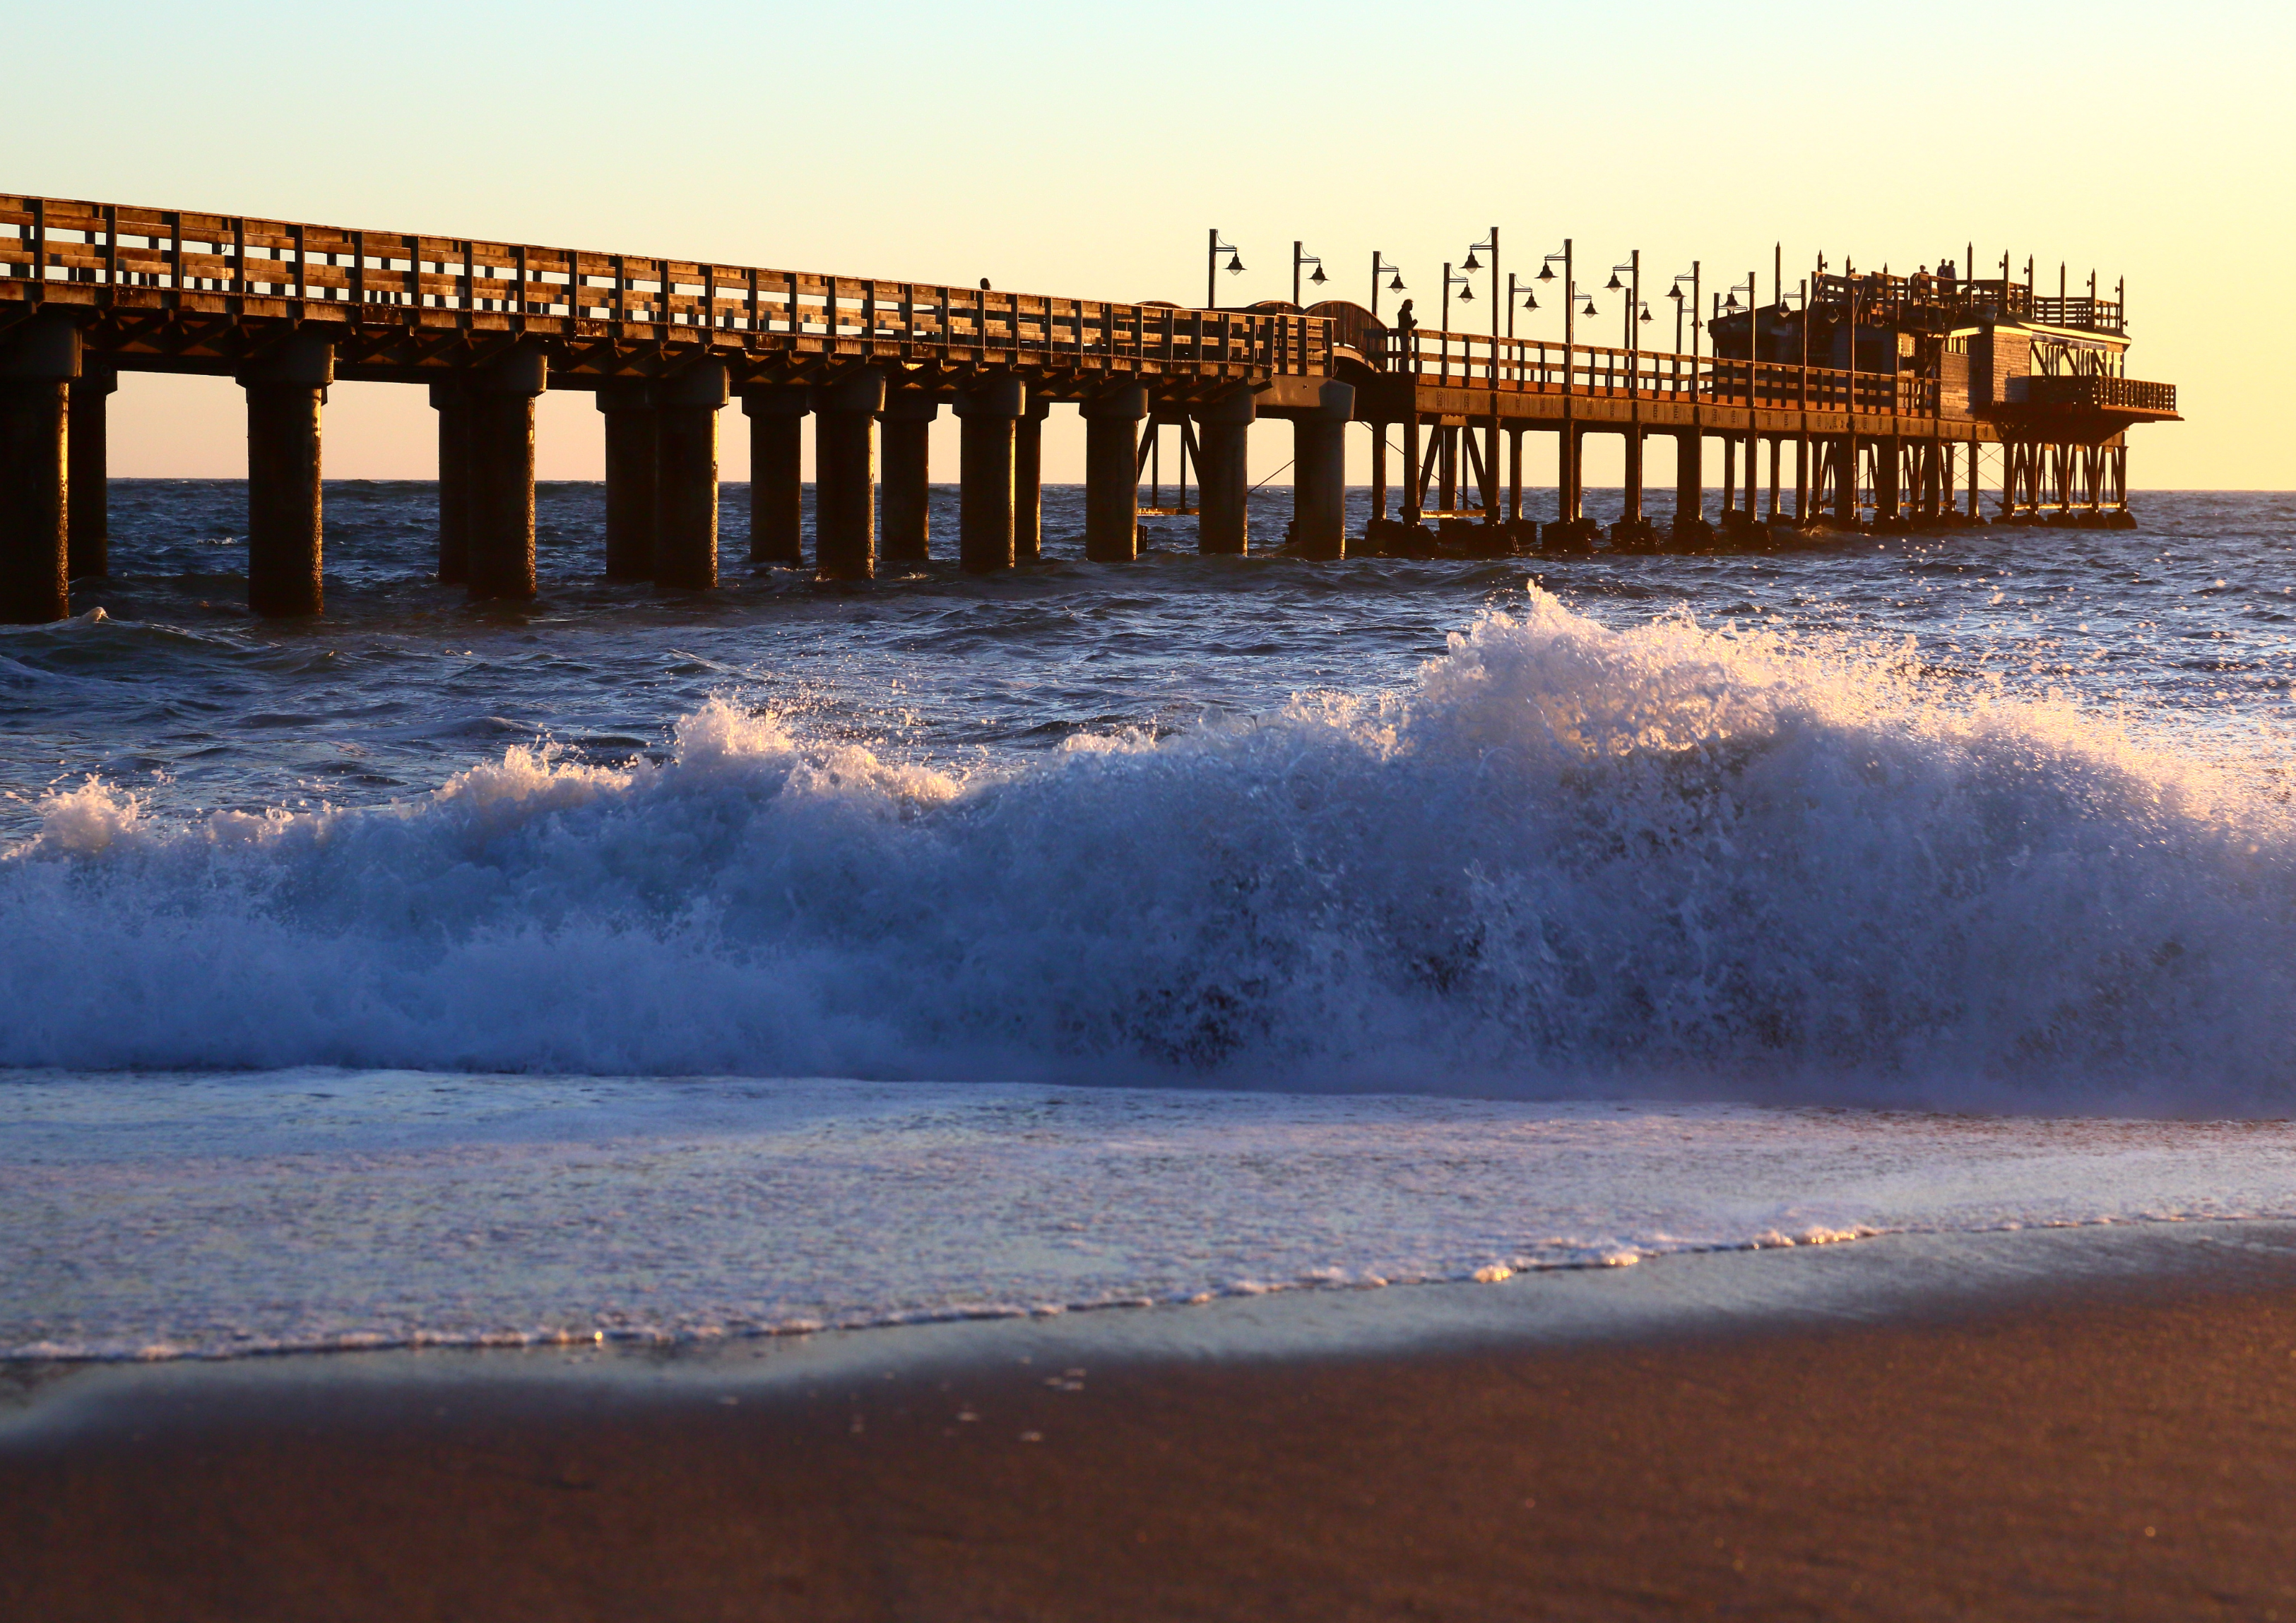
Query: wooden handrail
(1542, 366)
(169, 259)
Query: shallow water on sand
(203, 1216)
(1505, 850)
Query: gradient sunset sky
(1083, 150)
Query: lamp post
(1299, 259)
(1569, 291)
(1490, 245)
(1529, 299)
(1459, 279)
(1676, 294)
(1212, 267)
(1731, 303)
(1567, 494)
(1377, 270)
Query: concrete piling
(285, 390)
(776, 416)
(88, 496)
(501, 507)
(904, 442)
(1112, 473)
(1224, 436)
(685, 476)
(1319, 473)
(37, 363)
(633, 482)
(985, 511)
(452, 402)
(845, 474)
(1028, 482)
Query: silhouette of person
(984, 284)
(1405, 321)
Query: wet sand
(2115, 1442)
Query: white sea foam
(1568, 861)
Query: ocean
(653, 966)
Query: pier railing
(116, 258)
(1539, 367)
(2108, 394)
(1937, 303)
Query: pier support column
(89, 476)
(36, 366)
(501, 473)
(989, 409)
(1845, 482)
(633, 477)
(776, 415)
(1028, 482)
(1689, 483)
(1976, 516)
(1319, 473)
(845, 474)
(1112, 473)
(904, 442)
(452, 402)
(1801, 479)
(1224, 432)
(1412, 491)
(685, 476)
(1379, 474)
(1889, 456)
(1634, 532)
(284, 391)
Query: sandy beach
(2095, 1425)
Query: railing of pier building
(1538, 366)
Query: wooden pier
(1918, 373)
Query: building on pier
(2048, 375)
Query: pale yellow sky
(1085, 151)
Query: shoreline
(1900, 1426)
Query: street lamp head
(1396, 286)
(1473, 263)
(1732, 303)
(1235, 265)
(1645, 314)
(1613, 284)
(1467, 295)
(1319, 278)
(1590, 309)
(1531, 302)
(1675, 293)
(1546, 273)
